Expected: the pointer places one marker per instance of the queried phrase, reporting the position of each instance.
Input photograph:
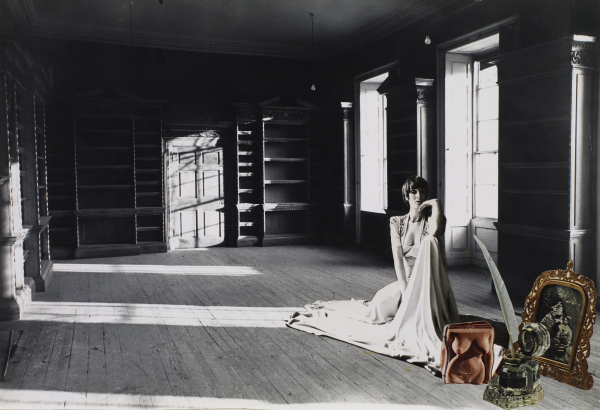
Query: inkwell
(518, 382)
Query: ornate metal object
(565, 302)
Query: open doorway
(470, 120)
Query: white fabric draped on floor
(406, 326)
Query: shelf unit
(275, 153)
(109, 198)
(37, 265)
(25, 257)
(148, 181)
(249, 154)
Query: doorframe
(173, 130)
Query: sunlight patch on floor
(147, 314)
(157, 269)
(48, 399)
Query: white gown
(410, 330)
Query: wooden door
(196, 192)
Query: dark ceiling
(281, 28)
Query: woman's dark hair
(413, 182)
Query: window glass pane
(487, 135)
(488, 76)
(486, 201)
(487, 104)
(486, 169)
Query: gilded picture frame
(565, 302)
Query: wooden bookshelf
(109, 198)
(249, 195)
(24, 233)
(275, 187)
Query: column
(426, 135)
(349, 211)
(581, 243)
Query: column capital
(347, 109)
(425, 90)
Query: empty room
(279, 204)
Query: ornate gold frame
(575, 373)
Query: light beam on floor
(156, 314)
(52, 399)
(157, 269)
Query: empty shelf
(286, 206)
(285, 159)
(105, 186)
(284, 181)
(149, 228)
(148, 194)
(104, 148)
(103, 166)
(285, 140)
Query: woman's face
(416, 197)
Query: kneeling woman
(406, 318)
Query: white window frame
(376, 176)
(357, 169)
(461, 257)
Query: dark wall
(196, 84)
(540, 21)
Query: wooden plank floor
(203, 329)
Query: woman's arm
(437, 220)
(398, 254)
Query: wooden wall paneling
(402, 144)
(545, 166)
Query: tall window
(471, 150)
(373, 153)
